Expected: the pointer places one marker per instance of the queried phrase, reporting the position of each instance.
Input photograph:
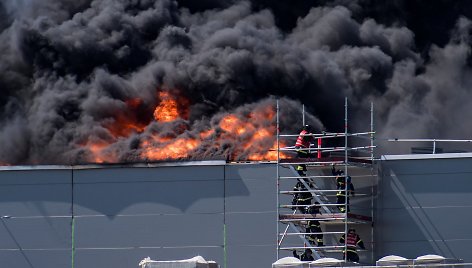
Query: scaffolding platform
(329, 218)
(326, 161)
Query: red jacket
(353, 240)
(303, 141)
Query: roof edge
(425, 156)
(122, 165)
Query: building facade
(116, 215)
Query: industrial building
(238, 214)
(116, 215)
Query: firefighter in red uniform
(303, 142)
(353, 240)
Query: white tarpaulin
(324, 262)
(393, 260)
(429, 259)
(195, 262)
(288, 262)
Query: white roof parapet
(117, 165)
(425, 156)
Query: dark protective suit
(303, 257)
(341, 187)
(302, 198)
(314, 226)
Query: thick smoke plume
(80, 80)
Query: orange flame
(177, 149)
(269, 155)
(248, 135)
(99, 153)
(206, 134)
(167, 110)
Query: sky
(71, 72)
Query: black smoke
(69, 68)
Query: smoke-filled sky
(73, 71)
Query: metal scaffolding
(332, 216)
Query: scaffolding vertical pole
(345, 179)
(372, 172)
(372, 132)
(303, 114)
(277, 174)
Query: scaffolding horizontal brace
(316, 135)
(323, 247)
(309, 191)
(329, 135)
(313, 163)
(325, 176)
(324, 233)
(349, 215)
(428, 140)
(311, 219)
(307, 177)
(300, 206)
(324, 162)
(341, 249)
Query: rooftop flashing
(122, 165)
(425, 156)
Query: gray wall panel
(251, 228)
(247, 188)
(150, 231)
(424, 207)
(445, 166)
(36, 233)
(149, 191)
(35, 193)
(458, 249)
(123, 214)
(137, 174)
(132, 198)
(425, 224)
(35, 176)
(8, 239)
(251, 256)
(35, 259)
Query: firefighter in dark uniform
(314, 226)
(301, 197)
(306, 256)
(301, 170)
(302, 144)
(341, 194)
(352, 242)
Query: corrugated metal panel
(124, 213)
(424, 206)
